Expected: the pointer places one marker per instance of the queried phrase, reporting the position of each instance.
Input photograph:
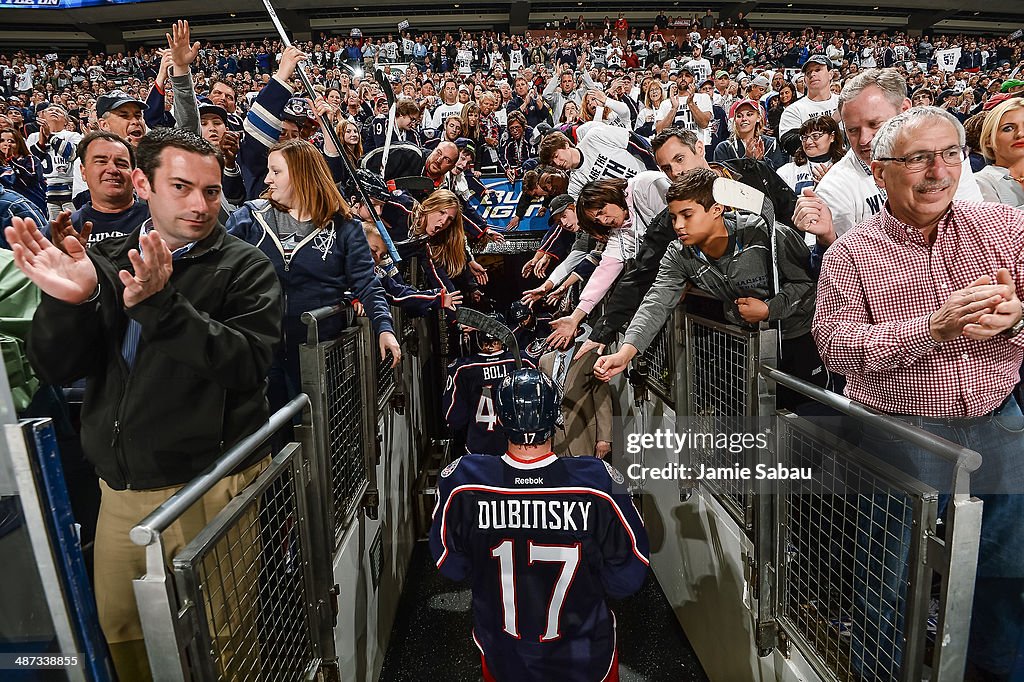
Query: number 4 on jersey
(485, 413)
(567, 555)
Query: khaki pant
(118, 561)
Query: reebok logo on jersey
(529, 481)
(533, 514)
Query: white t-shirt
(797, 177)
(605, 155)
(443, 111)
(683, 117)
(701, 69)
(852, 195)
(646, 115)
(805, 109)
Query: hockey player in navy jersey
(468, 401)
(544, 541)
(530, 340)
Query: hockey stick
(333, 134)
(746, 198)
(389, 95)
(489, 325)
(414, 183)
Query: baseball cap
(762, 81)
(996, 100)
(745, 102)
(464, 143)
(298, 111)
(557, 207)
(817, 59)
(1010, 84)
(114, 100)
(211, 108)
(722, 74)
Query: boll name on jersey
(533, 514)
(495, 372)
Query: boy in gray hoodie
(728, 255)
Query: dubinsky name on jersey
(468, 402)
(544, 543)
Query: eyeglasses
(953, 156)
(813, 137)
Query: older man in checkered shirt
(919, 306)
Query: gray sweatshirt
(743, 271)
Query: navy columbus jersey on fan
(469, 403)
(543, 544)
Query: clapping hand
(1004, 315)
(61, 228)
(67, 276)
(151, 273)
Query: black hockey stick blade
(487, 324)
(415, 183)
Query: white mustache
(933, 185)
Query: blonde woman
(1002, 143)
(318, 249)
(437, 224)
(654, 95)
(746, 123)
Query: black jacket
(198, 382)
(629, 292)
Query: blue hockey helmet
(519, 312)
(527, 406)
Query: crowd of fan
(623, 132)
(611, 60)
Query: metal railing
(660, 360)
(854, 567)
(860, 547)
(250, 596)
(388, 377)
(341, 379)
(721, 393)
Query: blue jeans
(884, 534)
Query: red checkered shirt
(880, 283)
